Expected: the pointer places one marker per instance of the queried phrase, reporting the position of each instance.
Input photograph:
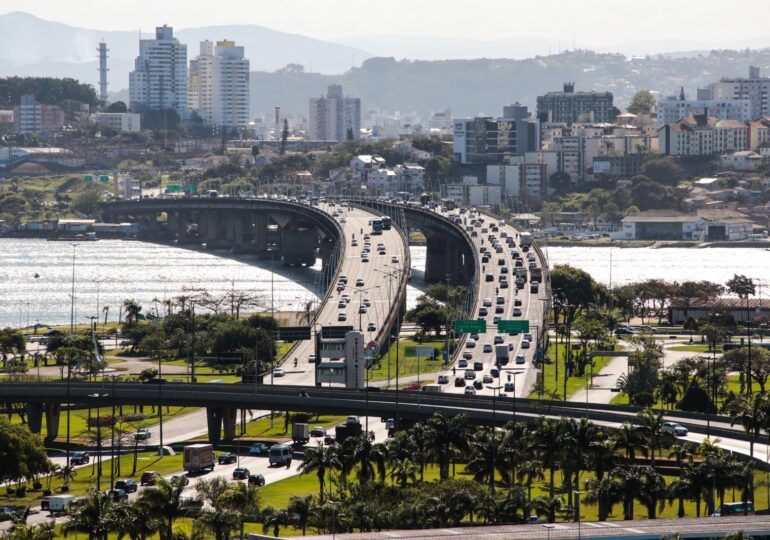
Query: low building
(126, 122)
(410, 177)
(707, 224)
(757, 310)
(744, 161)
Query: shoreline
(652, 244)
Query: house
(708, 223)
(410, 177)
(745, 160)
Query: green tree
(164, 501)
(22, 454)
(322, 460)
(643, 102)
(663, 169)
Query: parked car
(127, 485)
(241, 473)
(227, 457)
(258, 449)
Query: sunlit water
(623, 266)
(108, 272)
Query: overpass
(222, 401)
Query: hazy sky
(590, 22)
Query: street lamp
(495, 390)
(98, 397)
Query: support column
(52, 415)
(229, 416)
(214, 422)
(35, 417)
(436, 263)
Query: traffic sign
(104, 178)
(88, 177)
(294, 333)
(423, 351)
(513, 327)
(372, 347)
(470, 327)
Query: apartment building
(159, 78)
(570, 107)
(755, 89)
(334, 117)
(698, 135)
(487, 140)
(126, 122)
(673, 109)
(33, 118)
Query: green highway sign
(104, 178)
(88, 177)
(513, 327)
(470, 327)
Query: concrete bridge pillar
(52, 415)
(229, 417)
(35, 417)
(214, 422)
(298, 246)
(437, 260)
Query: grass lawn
(573, 383)
(407, 365)
(694, 348)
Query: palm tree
(605, 493)
(132, 309)
(681, 487)
(369, 457)
(630, 480)
(22, 531)
(751, 412)
(106, 311)
(131, 519)
(627, 438)
(712, 461)
(87, 515)
(651, 431)
(550, 506)
(54, 471)
(402, 471)
(547, 444)
(482, 456)
(652, 491)
(301, 508)
(67, 474)
(530, 471)
(420, 443)
(668, 391)
(164, 501)
(321, 460)
(274, 519)
(577, 440)
(444, 435)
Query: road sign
(470, 327)
(104, 178)
(88, 177)
(513, 327)
(335, 332)
(423, 351)
(372, 347)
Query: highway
(363, 304)
(498, 302)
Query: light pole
(494, 389)
(98, 397)
(69, 360)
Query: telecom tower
(102, 50)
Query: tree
(88, 514)
(651, 432)
(367, 457)
(445, 435)
(322, 460)
(117, 107)
(22, 454)
(643, 102)
(689, 292)
(165, 502)
(284, 137)
(301, 509)
(87, 201)
(663, 169)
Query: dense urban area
(485, 389)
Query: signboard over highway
(294, 333)
(470, 327)
(513, 327)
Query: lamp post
(494, 389)
(112, 436)
(69, 362)
(98, 397)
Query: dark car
(227, 457)
(478, 366)
(478, 385)
(624, 332)
(127, 485)
(241, 473)
(256, 480)
(459, 382)
(117, 494)
(149, 478)
(258, 449)
(80, 458)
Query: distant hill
(69, 51)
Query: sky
(592, 23)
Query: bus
(737, 509)
(376, 226)
(386, 223)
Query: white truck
(432, 388)
(199, 457)
(501, 355)
(525, 239)
(300, 433)
(59, 503)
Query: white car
(487, 302)
(278, 372)
(674, 429)
(470, 391)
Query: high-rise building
(334, 117)
(36, 118)
(159, 79)
(755, 88)
(218, 85)
(485, 140)
(570, 107)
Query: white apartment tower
(755, 88)
(159, 79)
(333, 117)
(219, 85)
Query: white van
(280, 454)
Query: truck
(199, 457)
(345, 431)
(525, 239)
(437, 388)
(59, 503)
(501, 355)
(536, 274)
(300, 433)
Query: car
(256, 480)
(487, 348)
(359, 282)
(470, 344)
(498, 340)
(467, 355)
(318, 431)
(489, 277)
(116, 494)
(311, 359)
(470, 374)
(340, 288)
(483, 312)
(647, 329)
(487, 302)
(525, 344)
(478, 385)
(227, 457)
(475, 336)
(241, 473)
(485, 259)
(278, 372)
(459, 382)
(504, 284)
(258, 449)
(520, 359)
(80, 458)
(487, 379)
(371, 327)
(470, 391)
(517, 312)
(527, 337)
(343, 220)
(478, 366)
(342, 317)
(494, 372)
(354, 243)
(674, 429)
(352, 421)
(346, 298)
(367, 302)
(364, 259)
(500, 300)
(142, 434)
(624, 331)
(499, 310)
(394, 259)
(443, 379)
(362, 309)
(342, 304)
(508, 387)
(329, 439)
(517, 302)
(148, 478)
(127, 485)
(495, 319)
(462, 363)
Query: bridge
(222, 401)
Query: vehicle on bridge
(386, 223)
(377, 226)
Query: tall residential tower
(159, 79)
(334, 118)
